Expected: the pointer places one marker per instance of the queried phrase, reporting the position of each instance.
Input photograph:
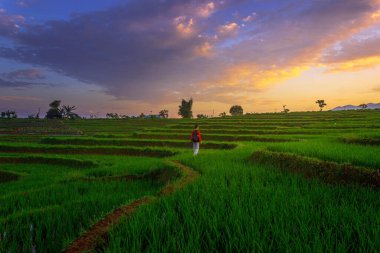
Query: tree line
(56, 111)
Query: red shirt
(198, 133)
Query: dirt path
(97, 234)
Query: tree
(321, 103)
(164, 114)
(8, 114)
(55, 112)
(67, 112)
(223, 114)
(124, 116)
(112, 115)
(35, 116)
(236, 110)
(142, 115)
(285, 110)
(363, 106)
(185, 109)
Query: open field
(298, 182)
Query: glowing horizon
(135, 56)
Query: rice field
(298, 182)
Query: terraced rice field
(298, 182)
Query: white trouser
(196, 147)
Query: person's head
(196, 126)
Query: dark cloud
(354, 49)
(25, 74)
(134, 51)
(10, 24)
(152, 51)
(15, 84)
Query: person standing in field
(196, 139)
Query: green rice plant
(329, 172)
(133, 142)
(213, 137)
(371, 140)
(6, 176)
(130, 151)
(46, 160)
(50, 212)
(331, 150)
(236, 206)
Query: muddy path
(97, 235)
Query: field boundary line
(97, 234)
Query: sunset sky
(136, 56)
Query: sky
(141, 56)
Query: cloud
(16, 84)
(145, 50)
(355, 65)
(204, 50)
(376, 89)
(26, 74)
(23, 3)
(134, 51)
(360, 52)
(229, 28)
(17, 98)
(206, 10)
(250, 18)
(10, 24)
(184, 25)
(242, 82)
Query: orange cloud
(206, 10)
(241, 83)
(184, 25)
(375, 15)
(204, 50)
(253, 75)
(228, 28)
(355, 65)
